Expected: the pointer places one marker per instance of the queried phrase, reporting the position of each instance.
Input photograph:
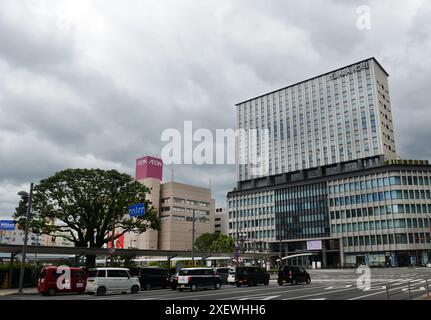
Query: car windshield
(189, 272)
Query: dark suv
(193, 278)
(152, 277)
(224, 273)
(293, 275)
(248, 275)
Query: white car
(429, 265)
(111, 280)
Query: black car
(152, 277)
(250, 276)
(293, 275)
(224, 273)
(194, 278)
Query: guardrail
(412, 290)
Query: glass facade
(322, 121)
(302, 212)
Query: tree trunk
(90, 261)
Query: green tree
(81, 205)
(215, 242)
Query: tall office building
(335, 194)
(339, 116)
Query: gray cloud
(91, 84)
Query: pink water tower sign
(149, 167)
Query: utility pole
(280, 243)
(113, 240)
(193, 237)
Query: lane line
(321, 293)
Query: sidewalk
(6, 292)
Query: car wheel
(238, 284)
(147, 286)
(101, 291)
(266, 282)
(193, 288)
(294, 282)
(217, 286)
(308, 281)
(135, 289)
(52, 292)
(280, 283)
(180, 290)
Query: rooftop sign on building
(149, 167)
(349, 70)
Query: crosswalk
(379, 289)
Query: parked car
(248, 275)
(173, 281)
(109, 280)
(194, 278)
(224, 273)
(429, 265)
(293, 275)
(47, 282)
(150, 277)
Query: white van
(110, 280)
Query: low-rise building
(372, 211)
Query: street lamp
(24, 195)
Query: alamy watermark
(363, 22)
(248, 147)
(363, 282)
(64, 279)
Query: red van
(49, 276)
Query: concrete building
(221, 221)
(339, 116)
(16, 237)
(336, 194)
(176, 204)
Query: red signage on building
(119, 242)
(149, 167)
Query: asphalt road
(326, 285)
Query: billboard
(7, 225)
(137, 210)
(149, 167)
(314, 245)
(119, 242)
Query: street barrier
(413, 290)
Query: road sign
(7, 225)
(137, 210)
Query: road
(326, 285)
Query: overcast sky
(94, 83)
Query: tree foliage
(80, 205)
(215, 242)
